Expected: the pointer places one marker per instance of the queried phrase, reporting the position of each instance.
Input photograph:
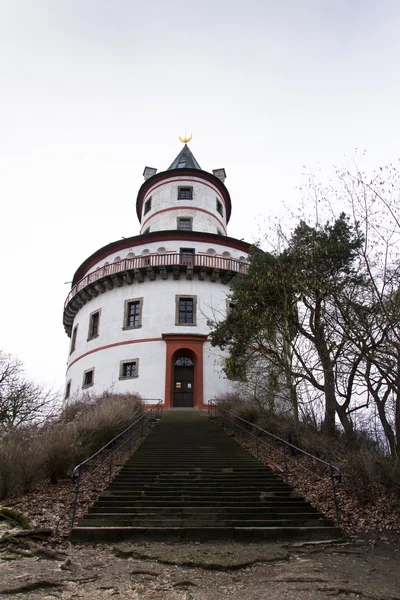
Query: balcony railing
(197, 261)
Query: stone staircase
(190, 481)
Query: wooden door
(183, 382)
(187, 256)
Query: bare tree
(371, 312)
(23, 402)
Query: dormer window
(185, 193)
(219, 207)
(147, 206)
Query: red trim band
(160, 339)
(163, 210)
(198, 180)
(183, 174)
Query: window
(67, 390)
(73, 339)
(129, 368)
(184, 361)
(219, 207)
(185, 223)
(94, 322)
(88, 378)
(187, 256)
(219, 232)
(185, 193)
(147, 206)
(133, 313)
(147, 230)
(185, 310)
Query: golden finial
(185, 140)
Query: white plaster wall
(215, 382)
(114, 344)
(150, 383)
(158, 317)
(200, 221)
(165, 196)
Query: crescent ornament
(186, 140)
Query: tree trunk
(328, 424)
(344, 419)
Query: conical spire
(185, 160)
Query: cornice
(157, 236)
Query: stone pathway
(160, 571)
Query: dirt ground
(366, 567)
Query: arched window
(184, 361)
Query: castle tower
(138, 308)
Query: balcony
(138, 268)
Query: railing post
(130, 443)
(285, 459)
(75, 500)
(110, 469)
(335, 498)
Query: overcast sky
(91, 91)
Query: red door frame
(177, 344)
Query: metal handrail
(334, 471)
(158, 260)
(153, 413)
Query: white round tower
(138, 309)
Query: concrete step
(196, 476)
(190, 470)
(200, 496)
(188, 481)
(259, 509)
(219, 507)
(199, 489)
(193, 522)
(242, 534)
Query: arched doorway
(191, 346)
(183, 394)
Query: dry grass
(33, 455)
(364, 466)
